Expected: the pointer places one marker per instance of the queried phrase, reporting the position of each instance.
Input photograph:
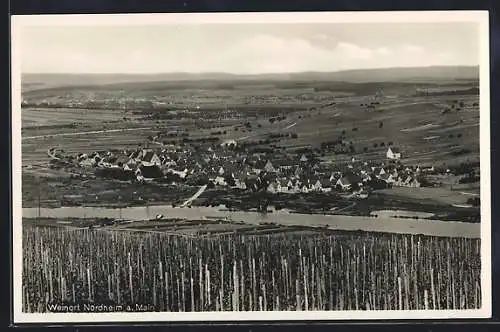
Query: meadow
(345, 271)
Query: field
(189, 228)
(402, 123)
(97, 192)
(349, 271)
(442, 196)
(57, 117)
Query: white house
(272, 188)
(388, 178)
(317, 185)
(136, 155)
(393, 153)
(130, 165)
(269, 167)
(348, 181)
(150, 159)
(181, 174)
(378, 171)
(240, 184)
(410, 182)
(220, 181)
(229, 143)
(88, 162)
(343, 183)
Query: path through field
(195, 196)
(267, 132)
(87, 132)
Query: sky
(246, 48)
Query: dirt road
(87, 132)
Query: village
(223, 166)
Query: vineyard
(348, 271)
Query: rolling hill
(420, 74)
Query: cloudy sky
(246, 48)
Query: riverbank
(382, 223)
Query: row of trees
(278, 118)
(382, 144)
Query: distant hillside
(396, 74)
(423, 74)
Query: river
(383, 223)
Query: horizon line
(248, 74)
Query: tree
(230, 180)
(365, 149)
(343, 132)
(424, 182)
(382, 144)
(390, 143)
(475, 201)
(375, 145)
(381, 124)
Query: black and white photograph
(251, 167)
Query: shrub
(474, 201)
(469, 179)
